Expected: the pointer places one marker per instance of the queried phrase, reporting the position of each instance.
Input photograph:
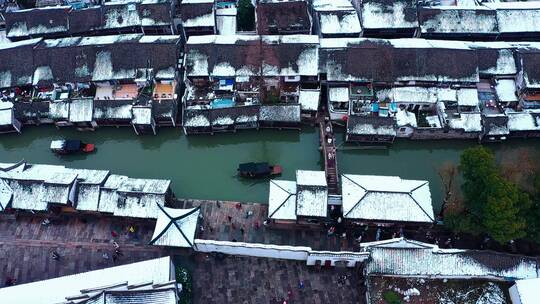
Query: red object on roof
(345, 117)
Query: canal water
(204, 167)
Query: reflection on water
(205, 166)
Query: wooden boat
(258, 170)
(71, 146)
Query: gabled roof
(371, 125)
(339, 22)
(386, 198)
(280, 113)
(398, 60)
(312, 193)
(530, 66)
(146, 274)
(175, 227)
(275, 17)
(81, 110)
(5, 195)
(282, 200)
(197, 14)
(37, 22)
(528, 290)
(389, 14)
(16, 58)
(457, 20)
(405, 258)
(517, 17)
(494, 58)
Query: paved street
(26, 245)
(261, 280)
(243, 227)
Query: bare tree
(448, 173)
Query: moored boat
(71, 146)
(258, 170)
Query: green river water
(204, 167)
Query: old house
(389, 18)
(226, 20)
(303, 201)
(8, 122)
(528, 77)
(397, 82)
(133, 197)
(198, 17)
(407, 258)
(335, 19)
(248, 71)
(39, 187)
(523, 124)
(283, 17)
(517, 20)
(386, 200)
(525, 291)
(149, 281)
(151, 17)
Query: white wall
(351, 258)
(256, 250)
(514, 295)
(298, 253)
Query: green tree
(492, 204)
(246, 15)
(503, 217)
(477, 166)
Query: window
(402, 129)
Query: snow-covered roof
(200, 21)
(309, 99)
(59, 110)
(35, 186)
(282, 200)
(517, 17)
(386, 198)
(81, 110)
(468, 122)
(522, 121)
(371, 125)
(197, 121)
(142, 115)
(226, 21)
(506, 90)
(468, 97)
(409, 94)
(312, 193)
(330, 5)
(156, 271)
(397, 14)
(528, 291)
(175, 227)
(133, 197)
(6, 113)
(339, 22)
(339, 94)
(5, 194)
(406, 118)
(280, 113)
(401, 257)
(310, 178)
(457, 20)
